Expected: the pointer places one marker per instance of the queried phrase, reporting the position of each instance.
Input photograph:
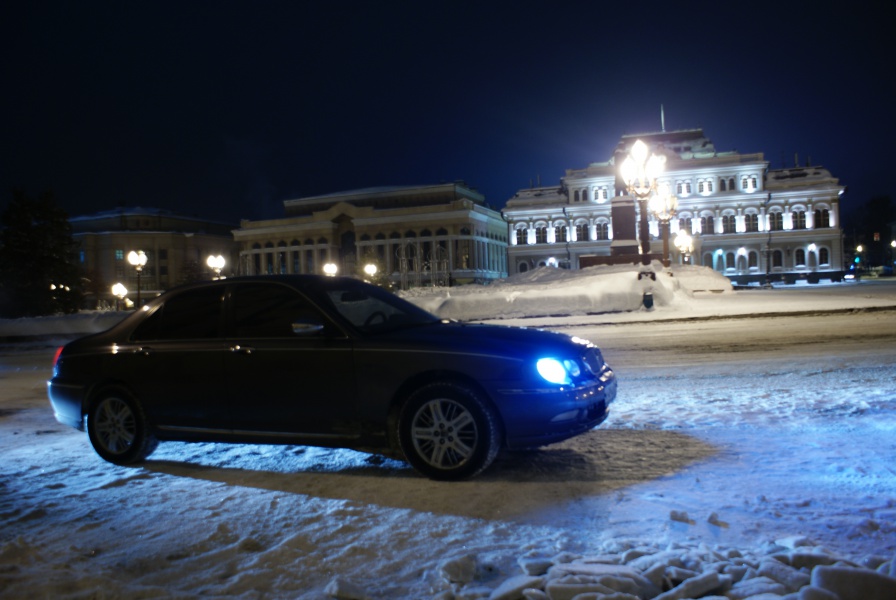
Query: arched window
(777, 259)
(602, 231)
(776, 221)
(521, 236)
(541, 235)
(751, 222)
(722, 186)
(799, 219)
(729, 260)
(582, 232)
(560, 234)
(799, 257)
(685, 224)
(729, 224)
(753, 260)
(824, 257)
(822, 218)
(708, 225)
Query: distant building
(420, 235)
(746, 220)
(177, 249)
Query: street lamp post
(330, 269)
(119, 291)
(639, 172)
(216, 264)
(663, 205)
(138, 261)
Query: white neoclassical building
(746, 220)
(414, 235)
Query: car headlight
(558, 371)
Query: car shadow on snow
(517, 486)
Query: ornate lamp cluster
(640, 171)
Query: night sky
(225, 109)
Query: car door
(290, 368)
(175, 359)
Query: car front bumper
(544, 416)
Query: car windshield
(373, 310)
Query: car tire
(118, 428)
(447, 431)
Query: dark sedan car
(325, 361)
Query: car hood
(481, 338)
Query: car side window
(194, 314)
(263, 310)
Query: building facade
(746, 220)
(177, 248)
(420, 235)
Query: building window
(163, 254)
(753, 260)
(776, 221)
(602, 231)
(729, 224)
(799, 257)
(521, 237)
(707, 225)
(685, 224)
(824, 257)
(722, 185)
(119, 255)
(541, 235)
(560, 234)
(799, 219)
(582, 233)
(822, 218)
(729, 260)
(751, 222)
(777, 259)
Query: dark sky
(225, 109)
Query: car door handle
(242, 349)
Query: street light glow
(330, 269)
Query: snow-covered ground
(752, 440)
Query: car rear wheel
(448, 432)
(117, 428)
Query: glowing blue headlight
(557, 371)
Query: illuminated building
(748, 221)
(414, 235)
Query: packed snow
(749, 454)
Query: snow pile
(789, 567)
(549, 292)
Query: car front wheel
(448, 432)
(117, 428)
